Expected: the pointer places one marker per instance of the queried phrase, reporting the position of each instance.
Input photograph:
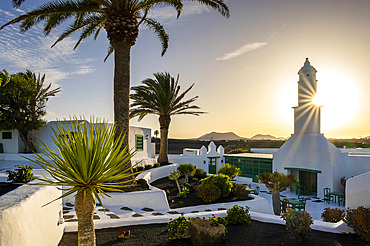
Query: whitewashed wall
(144, 156)
(358, 191)
(23, 220)
(11, 146)
(358, 164)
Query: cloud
(168, 15)
(242, 50)
(31, 50)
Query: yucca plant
(89, 165)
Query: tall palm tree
(161, 96)
(121, 20)
(88, 166)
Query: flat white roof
(254, 155)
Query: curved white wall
(23, 220)
(358, 191)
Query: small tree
(229, 170)
(89, 165)
(23, 100)
(277, 182)
(186, 169)
(175, 175)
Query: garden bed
(257, 233)
(191, 198)
(6, 187)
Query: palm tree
(89, 162)
(161, 96)
(121, 20)
(156, 132)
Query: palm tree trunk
(164, 122)
(85, 212)
(276, 202)
(122, 51)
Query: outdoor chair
(256, 190)
(301, 206)
(327, 196)
(342, 200)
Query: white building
(307, 154)
(139, 141)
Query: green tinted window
(7, 135)
(139, 142)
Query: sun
(340, 99)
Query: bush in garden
(183, 193)
(229, 170)
(299, 221)
(240, 191)
(200, 174)
(178, 228)
(218, 220)
(187, 170)
(222, 181)
(21, 175)
(332, 215)
(140, 168)
(157, 165)
(208, 192)
(359, 220)
(238, 215)
(147, 167)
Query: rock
(206, 233)
(142, 184)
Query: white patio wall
(23, 220)
(358, 191)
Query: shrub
(359, 220)
(140, 168)
(237, 151)
(218, 220)
(229, 170)
(240, 191)
(222, 181)
(183, 193)
(208, 192)
(157, 165)
(332, 215)
(200, 174)
(299, 221)
(178, 228)
(147, 167)
(21, 175)
(134, 170)
(186, 169)
(238, 215)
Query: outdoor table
(292, 201)
(336, 194)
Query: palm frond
(159, 31)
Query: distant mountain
(220, 136)
(263, 137)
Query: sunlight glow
(339, 96)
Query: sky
(244, 67)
